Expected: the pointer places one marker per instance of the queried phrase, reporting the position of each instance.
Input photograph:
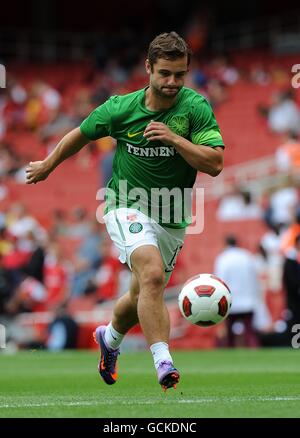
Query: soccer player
(165, 133)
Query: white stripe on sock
(113, 338)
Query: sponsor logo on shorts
(131, 217)
(136, 227)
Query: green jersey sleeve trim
(209, 138)
(204, 127)
(99, 123)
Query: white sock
(113, 338)
(160, 352)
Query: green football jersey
(152, 176)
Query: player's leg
(147, 265)
(110, 337)
(125, 311)
(131, 230)
(120, 227)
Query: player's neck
(154, 102)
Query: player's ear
(148, 66)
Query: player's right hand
(36, 171)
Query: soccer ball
(205, 300)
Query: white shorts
(129, 229)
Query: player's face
(167, 77)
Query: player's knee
(153, 278)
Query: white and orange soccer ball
(205, 300)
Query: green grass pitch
(220, 383)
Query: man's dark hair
(168, 46)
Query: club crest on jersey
(136, 227)
(179, 125)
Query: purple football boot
(107, 366)
(168, 376)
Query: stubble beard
(159, 92)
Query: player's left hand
(159, 131)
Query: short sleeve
(98, 124)
(204, 127)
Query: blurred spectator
(14, 104)
(291, 281)
(14, 259)
(197, 30)
(282, 204)
(106, 166)
(288, 238)
(87, 260)
(2, 220)
(284, 114)
(288, 154)
(6, 289)
(259, 74)
(238, 205)
(236, 266)
(198, 77)
(81, 225)
(20, 223)
(9, 160)
(34, 113)
(101, 92)
(262, 320)
(2, 119)
(223, 71)
(55, 276)
(60, 226)
(29, 296)
(106, 151)
(3, 189)
(63, 331)
(83, 105)
(58, 124)
(270, 246)
(35, 265)
(216, 92)
(85, 302)
(107, 275)
(5, 244)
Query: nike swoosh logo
(130, 135)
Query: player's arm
(205, 159)
(69, 145)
